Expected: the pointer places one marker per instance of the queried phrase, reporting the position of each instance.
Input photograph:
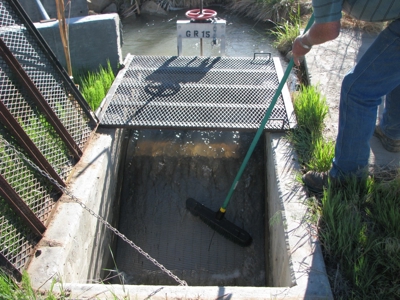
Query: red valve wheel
(196, 15)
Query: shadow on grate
(221, 93)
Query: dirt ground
(327, 64)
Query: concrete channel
(75, 249)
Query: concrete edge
(303, 252)
(87, 291)
(287, 99)
(75, 244)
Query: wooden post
(64, 34)
(137, 7)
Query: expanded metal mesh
(197, 93)
(16, 240)
(34, 60)
(34, 123)
(52, 84)
(30, 186)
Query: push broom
(217, 220)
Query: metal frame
(45, 119)
(23, 139)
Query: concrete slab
(88, 48)
(75, 245)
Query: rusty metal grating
(43, 117)
(197, 93)
(34, 59)
(16, 240)
(28, 183)
(34, 123)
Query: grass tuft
(322, 155)
(11, 290)
(311, 109)
(95, 85)
(358, 220)
(285, 32)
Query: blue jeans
(376, 75)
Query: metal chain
(104, 222)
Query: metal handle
(262, 53)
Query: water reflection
(173, 143)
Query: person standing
(376, 75)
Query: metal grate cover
(197, 93)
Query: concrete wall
(92, 40)
(75, 246)
(296, 256)
(280, 272)
(78, 8)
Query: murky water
(165, 167)
(152, 35)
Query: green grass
(322, 155)
(11, 290)
(286, 31)
(8, 287)
(310, 109)
(284, 36)
(359, 233)
(358, 222)
(95, 85)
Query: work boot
(316, 182)
(387, 143)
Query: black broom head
(222, 226)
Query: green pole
(262, 126)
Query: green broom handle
(262, 126)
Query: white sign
(205, 30)
(215, 29)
